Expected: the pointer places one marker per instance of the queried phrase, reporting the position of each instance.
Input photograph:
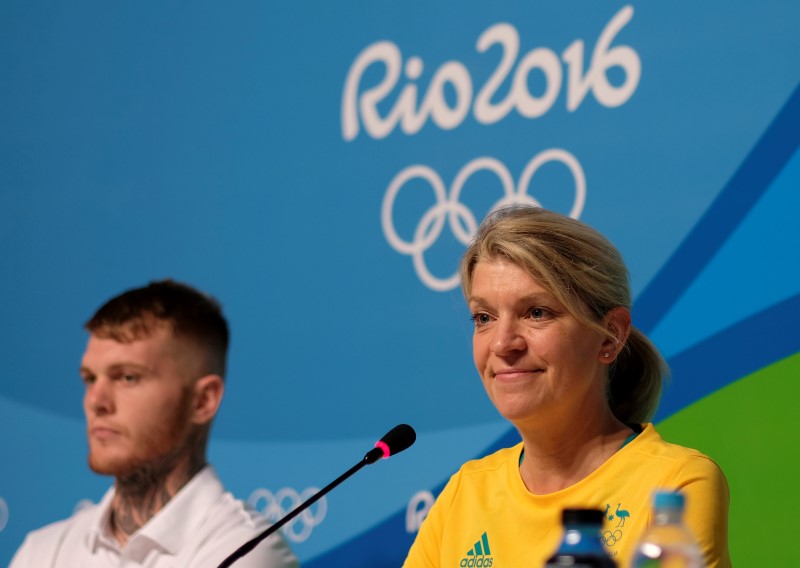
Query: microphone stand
(371, 457)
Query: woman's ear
(618, 325)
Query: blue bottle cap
(663, 499)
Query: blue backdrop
(318, 167)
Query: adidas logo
(479, 556)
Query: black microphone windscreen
(399, 438)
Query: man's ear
(208, 392)
(618, 324)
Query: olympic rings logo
(276, 506)
(461, 220)
(3, 514)
(611, 538)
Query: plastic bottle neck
(583, 537)
(668, 517)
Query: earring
(606, 355)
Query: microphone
(399, 438)
(393, 442)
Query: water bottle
(667, 543)
(581, 546)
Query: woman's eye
(538, 313)
(481, 319)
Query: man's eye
(128, 377)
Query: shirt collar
(171, 527)
(177, 521)
(99, 527)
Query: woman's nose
(507, 339)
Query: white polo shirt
(199, 527)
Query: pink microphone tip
(384, 447)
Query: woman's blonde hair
(587, 274)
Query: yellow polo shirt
(486, 518)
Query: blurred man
(154, 372)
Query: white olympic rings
(276, 506)
(462, 222)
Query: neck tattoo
(143, 492)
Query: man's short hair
(189, 313)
